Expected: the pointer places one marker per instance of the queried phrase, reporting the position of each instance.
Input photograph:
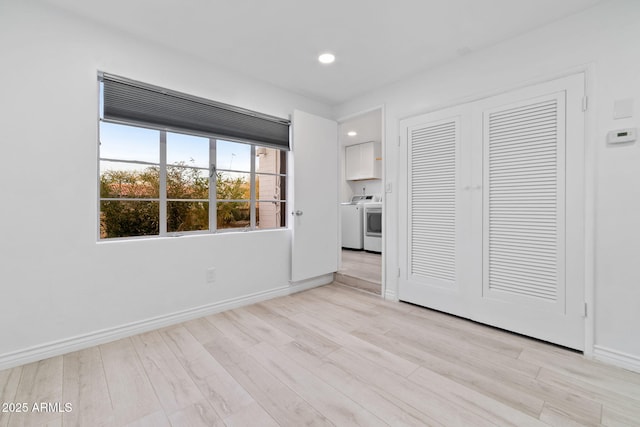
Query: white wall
(605, 39)
(369, 128)
(57, 282)
(366, 186)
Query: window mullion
(252, 186)
(213, 180)
(163, 183)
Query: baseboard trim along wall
(617, 358)
(56, 348)
(391, 295)
(303, 285)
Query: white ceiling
(376, 42)
(368, 127)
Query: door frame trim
(383, 125)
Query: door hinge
(399, 140)
(585, 103)
(585, 310)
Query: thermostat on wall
(621, 135)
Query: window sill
(190, 235)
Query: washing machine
(352, 220)
(372, 226)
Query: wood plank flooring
(328, 356)
(362, 270)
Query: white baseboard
(618, 358)
(79, 342)
(304, 285)
(391, 295)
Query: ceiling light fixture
(352, 133)
(326, 58)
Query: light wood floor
(328, 356)
(362, 270)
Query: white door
(437, 220)
(505, 244)
(314, 211)
(533, 212)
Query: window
(155, 181)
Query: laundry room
(361, 197)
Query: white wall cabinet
(363, 161)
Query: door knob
(297, 213)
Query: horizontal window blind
(130, 102)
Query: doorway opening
(361, 195)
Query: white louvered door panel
(524, 197)
(432, 253)
(533, 211)
(432, 202)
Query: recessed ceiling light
(326, 58)
(352, 133)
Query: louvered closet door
(433, 203)
(494, 211)
(533, 212)
(524, 220)
(435, 210)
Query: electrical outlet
(211, 275)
